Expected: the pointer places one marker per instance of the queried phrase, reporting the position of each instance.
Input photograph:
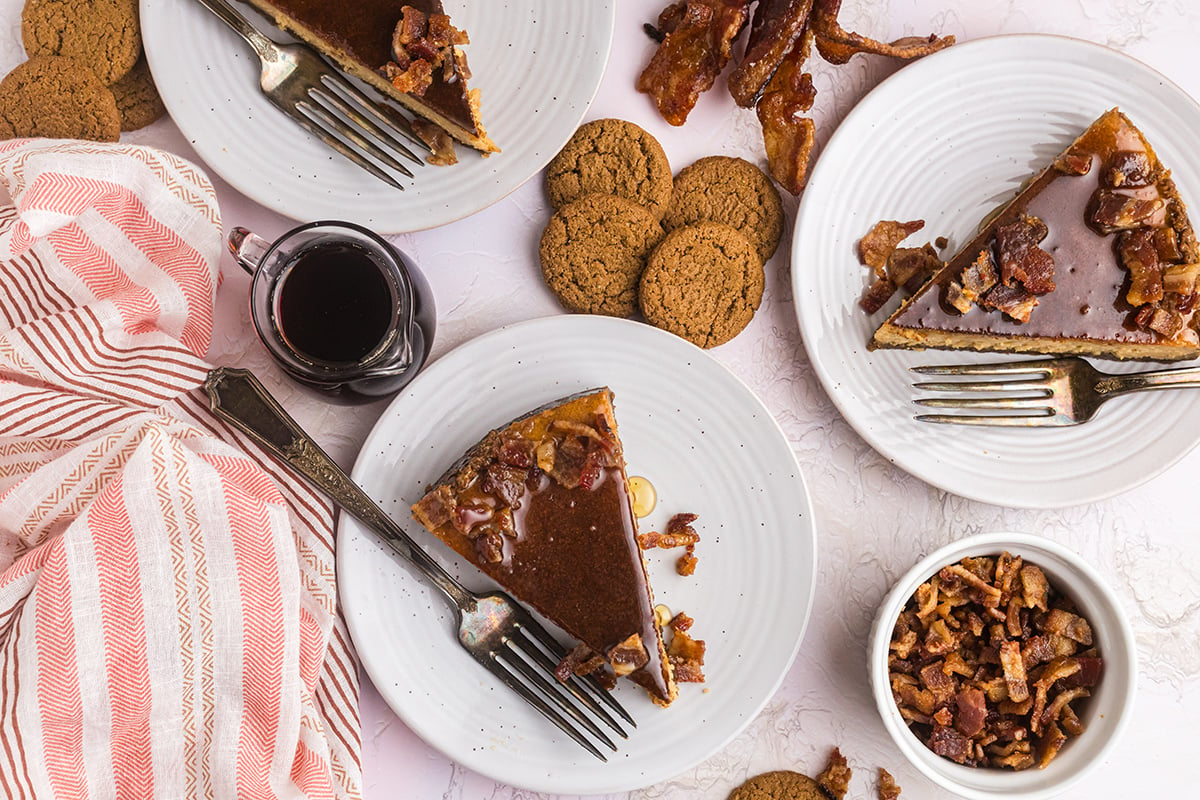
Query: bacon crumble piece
(837, 45)
(582, 661)
(894, 267)
(876, 247)
(685, 653)
(888, 789)
(987, 663)
(697, 44)
(440, 143)
(835, 780)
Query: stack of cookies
(687, 253)
(86, 77)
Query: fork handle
(237, 397)
(266, 49)
(1113, 385)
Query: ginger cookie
(137, 97)
(58, 98)
(611, 156)
(103, 34)
(703, 282)
(780, 785)
(732, 191)
(593, 252)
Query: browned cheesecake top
(1089, 298)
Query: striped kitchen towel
(168, 619)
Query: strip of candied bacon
(837, 45)
(776, 27)
(697, 44)
(788, 136)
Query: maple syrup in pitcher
(338, 307)
(334, 303)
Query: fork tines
(524, 662)
(337, 101)
(1013, 393)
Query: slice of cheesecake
(543, 507)
(362, 39)
(1095, 256)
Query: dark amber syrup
(334, 303)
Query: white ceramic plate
(946, 140)
(709, 447)
(537, 63)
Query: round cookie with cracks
(703, 282)
(732, 191)
(779, 785)
(103, 34)
(611, 156)
(58, 98)
(593, 252)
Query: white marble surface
(874, 521)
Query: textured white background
(873, 520)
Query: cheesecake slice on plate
(543, 507)
(1095, 256)
(406, 49)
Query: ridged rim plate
(947, 139)
(709, 447)
(537, 63)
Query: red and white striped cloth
(168, 620)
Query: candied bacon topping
(1015, 301)
(1129, 169)
(1110, 211)
(420, 44)
(1021, 260)
(628, 656)
(1004, 696)
(1072, 163)
(582, 660)
(1139, 255)
(697, 44)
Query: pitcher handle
(247, 248)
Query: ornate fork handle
(267, 50)
(1113, 385)
(237, 397)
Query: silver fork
(1050, 392)
(298, 82)
(499, 633)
